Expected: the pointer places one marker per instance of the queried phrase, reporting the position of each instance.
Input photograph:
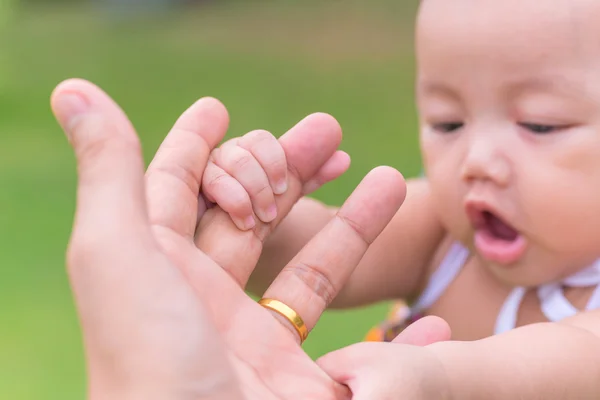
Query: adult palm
(160, 296)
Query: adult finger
(174, 176)
(130, 299)
(308, 146)
(333, 168)
(111, 229)
(313, 278)
(110, 189)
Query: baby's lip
(475, 209)
(488, 245)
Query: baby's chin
(530, 271)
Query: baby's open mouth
(495, 239)
(497, 227)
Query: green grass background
(271, 63)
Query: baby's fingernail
(245, 224)
(249, 222)
(281, 187)
(271, 213)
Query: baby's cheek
(561, 209)
(575, 152)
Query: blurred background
(270, 62)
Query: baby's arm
(393, 267)
(539, 361)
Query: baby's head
(509, 103)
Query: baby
(503, 231)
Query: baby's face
(509, 101)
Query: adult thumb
(109, 161)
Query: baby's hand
(244, 175)
(406, 368)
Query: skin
(163, 314)
(511, 123)
(526, 176)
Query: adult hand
(161, 303)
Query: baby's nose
(486, 160)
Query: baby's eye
(539, 128)
(448, 127)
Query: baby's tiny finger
(243, 166)
(425, 331)
(229, 194)
(268, 152)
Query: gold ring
(289, 314)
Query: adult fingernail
(281, 187)
(69, 107)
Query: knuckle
(238, 201)
(74, 255)
(242, 162)
(258, 136)
(262, 191)
(213, 156)
(96, 147)
(240, 207)
(226, 194)
(295, 172)
(357, 228)
(177, 171)
(315, 279)
(277, 164)
(85, 249)
(213, 182)
(265, 140)
(237, 159)
(99, 138)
